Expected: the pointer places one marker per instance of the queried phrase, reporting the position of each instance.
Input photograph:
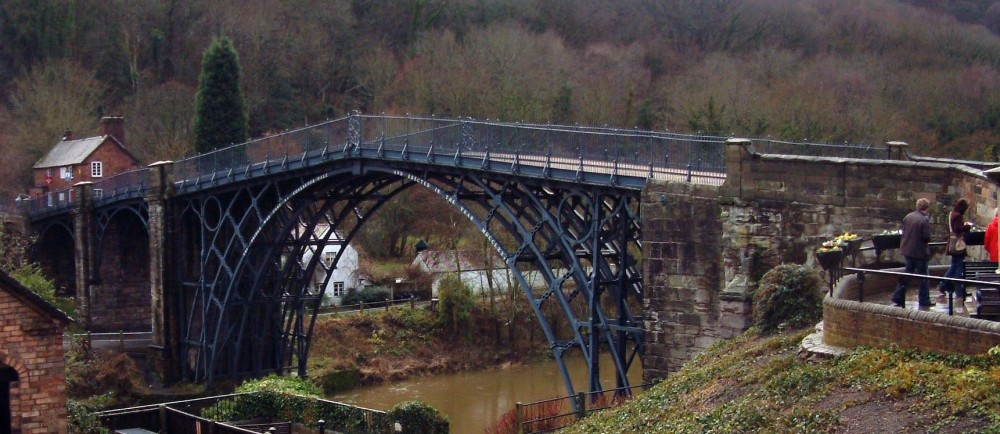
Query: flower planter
(883, 242)
(974, 238)
(830, 259)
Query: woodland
(926, 72)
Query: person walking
(913, 245)
(957, 226)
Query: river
(472, 401)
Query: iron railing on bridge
(610, 155)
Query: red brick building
(78, 160)
(32, 381)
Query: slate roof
(444, 261)
(73, 152)
(28, 297)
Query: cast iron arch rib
(254, 237)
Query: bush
(370, 294)
(280, 384)
(455, 301)
(336, 381)
(787, 296)
(416, 417)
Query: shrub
(416, 417)
(455, 301)
(371, 294)
(280, 384)
(787, 296)
(336, 381)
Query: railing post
(163, 418)
(581, 405)
(321, 424)
(519, 417)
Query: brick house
(32, 381)
(77, 160)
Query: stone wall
(848, 323)
(120, 298)
(31, 342)
(772, 209)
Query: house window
(62, 197)
(317, 287)
(98, 193)
(48, 200)
(328, 258)
(96, 169)
(66, 173)
(338, 289)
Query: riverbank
(761, 384)
(380, 346)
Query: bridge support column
(85, 249)
(164, 348)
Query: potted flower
(848, 242)
(829, 255)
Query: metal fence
(199, 415)
(830, 150)
(552, 414)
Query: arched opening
(54, 251)
(250, 312)
(7, 376)
(120, 299)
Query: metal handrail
(609, 155)
(951, 311)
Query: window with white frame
(66, 173)
(98, 193)
(317, 287)
(338, 289)
(96, 169)
(328, 258)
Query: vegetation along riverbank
(759, 383)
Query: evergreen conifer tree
(221, 117)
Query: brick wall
(31, 343)
(772, 209)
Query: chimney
(67, 135)
(114, 126)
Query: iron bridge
(243, 226)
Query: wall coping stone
(911, 314)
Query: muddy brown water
(473, 401)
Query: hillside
(761, 384)
(859, 71)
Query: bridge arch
(54, 251)
(119, 290)
(582, 239)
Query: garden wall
(848, 323)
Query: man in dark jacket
(913, 245)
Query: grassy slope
(760, 384)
